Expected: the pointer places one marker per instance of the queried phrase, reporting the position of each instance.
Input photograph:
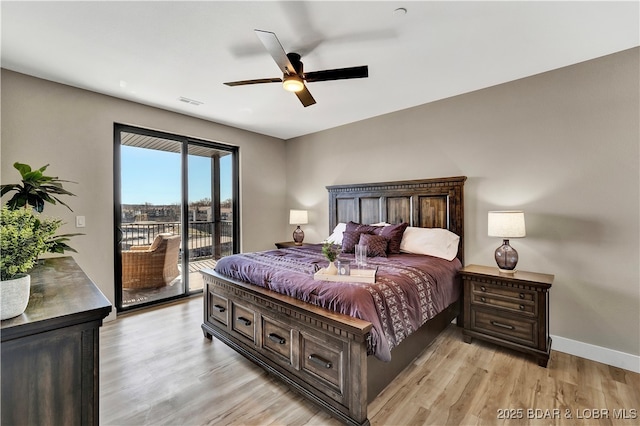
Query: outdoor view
(151, 216)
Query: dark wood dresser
(511, 310)
(50, 352)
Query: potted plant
(25, 235)
(331, 252)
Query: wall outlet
(80, 222)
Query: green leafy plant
(331, 251)
(25, 234)
(23, 237)
(36, 189)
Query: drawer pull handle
(521, 295)
(499, 324)
(320, 361)
(275, 338)
(246, 321)
(522, 307)
(484, 299)
(483, 288)
(220, 308)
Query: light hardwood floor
(156, 368)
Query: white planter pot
(14, 296)
(331, 269)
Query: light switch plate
(80, 222)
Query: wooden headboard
(425, 203)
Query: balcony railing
(201, 236)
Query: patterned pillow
(349, 241)
(376, 245)
(394, 234)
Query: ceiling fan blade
(337, 74)
(305, 97)
(275, 49)
(258, 81)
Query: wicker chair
(151, 266)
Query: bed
(336, 360)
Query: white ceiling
(156, 52)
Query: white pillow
(336, 236)
(436, 242)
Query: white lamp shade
(506, 224)
(298, 217)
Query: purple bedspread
(409, 289)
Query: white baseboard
(596, 353)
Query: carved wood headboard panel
(425, 203)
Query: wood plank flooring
(156, 368)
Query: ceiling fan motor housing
(294, 58)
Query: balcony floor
(134, 297)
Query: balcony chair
(151, 266)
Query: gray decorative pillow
(376, 245)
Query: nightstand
(511, 310)
(287, 244)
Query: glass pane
(151, 216)
(210, 232)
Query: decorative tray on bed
(356, 276)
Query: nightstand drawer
(521, 330)
(513, 299)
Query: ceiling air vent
(189, 101)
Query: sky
(151, 176)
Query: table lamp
(506, 224)
(298, 217)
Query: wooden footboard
(319, 353)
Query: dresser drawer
(513, 299)
(243, 321)
(277, 338)
(218, 308)
(322, 360)
(517, 329)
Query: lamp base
(506, 258)
(298, 236)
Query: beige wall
(562, 146)
(72, 129)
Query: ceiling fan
(294, 77)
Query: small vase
(14, 296)
(331, 269)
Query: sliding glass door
(175, 213)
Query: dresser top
(61, 295)
(533, 277)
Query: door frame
(118, 128)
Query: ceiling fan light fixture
(293, 83)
